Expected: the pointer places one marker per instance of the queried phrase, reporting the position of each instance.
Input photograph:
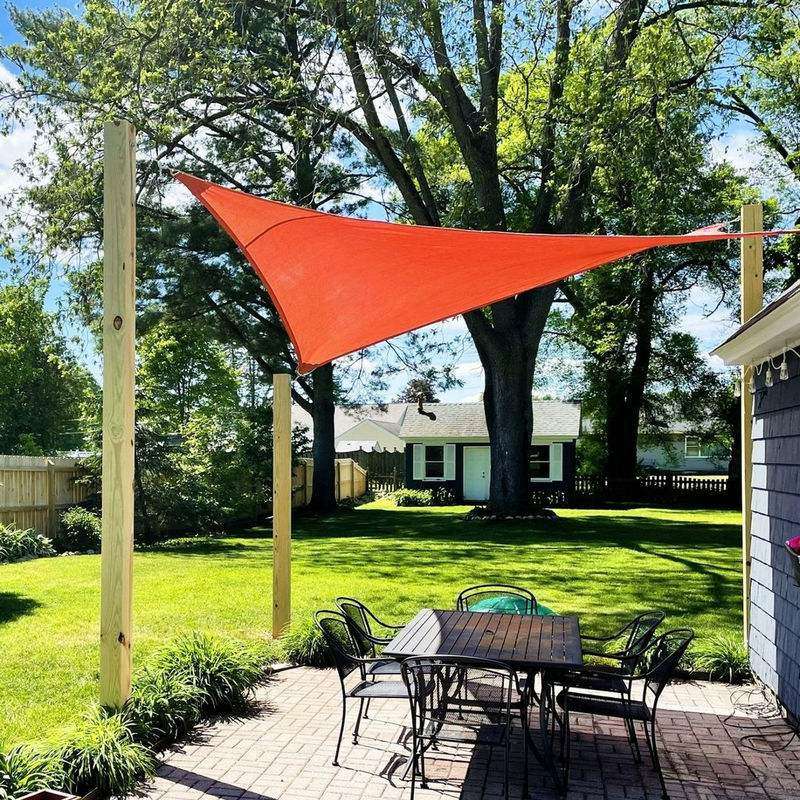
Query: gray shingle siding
(775, 595)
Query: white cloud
(739, 148)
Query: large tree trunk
(323, 492)
(507, 349)
(507, 401)
(621, 432)
(625, 395)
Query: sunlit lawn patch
(602, 564)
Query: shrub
(79, 532)
(223, 671)
(304, 644)
(437, 496)
(16, 544)
(163, 706)
(102, 753)
(413, 497)
(723, 656)
(25, 769)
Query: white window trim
(549, 462)
(448, 463)
(556, 459)
(701, 454)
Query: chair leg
(634, 740)
(413, 766)
(358, 720)
(341, 730)
(423, 779)
(525, 734)
(566, 750)
(366, 709)
(652, 744)
(507, 794)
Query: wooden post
(51, 497)
(281, 503)
(119, 327)
(752, 300)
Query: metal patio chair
(504, 597)
(363, 622)
(461, 700)
(625, 648)
(656, 668)
(347, 658)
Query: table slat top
(521, 642)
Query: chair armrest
(382, 623)
(612, 654)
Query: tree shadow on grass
(13, 606)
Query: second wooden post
(119, 326)
(281, 503)
(752, 287)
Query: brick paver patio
(716, 742)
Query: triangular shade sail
(341, 284)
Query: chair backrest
(450, 690)
(662, 659)
(499, 597)
(641, 630)
(338, 638)
(358, 619)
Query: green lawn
(603, 565)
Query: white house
(451, 448)
(368, 428)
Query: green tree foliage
(763, 91)
(43, 391)
(416, 389)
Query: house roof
(346, 417)
(467, 420)
(769, 332)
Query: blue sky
(735, 146)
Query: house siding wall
(775, 595)
(673, 459)
(567, 484)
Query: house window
(434, 461)
(540, 462)
(693, 448)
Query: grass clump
(724, 657)
(17, 544)
(79, 532)
(304, 644)
(162, 707)
(101, 753)
(25, 769)
(223, 671)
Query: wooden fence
(379, 463)
(34, 488)
(351, 480)
(656, 487)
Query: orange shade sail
(341, 284)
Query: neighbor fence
(387, 471)
(34, 488)
(655, 487)
(350, 480)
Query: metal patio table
(527, 644)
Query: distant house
(683, 452)
(453, 449)
(369, 428)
